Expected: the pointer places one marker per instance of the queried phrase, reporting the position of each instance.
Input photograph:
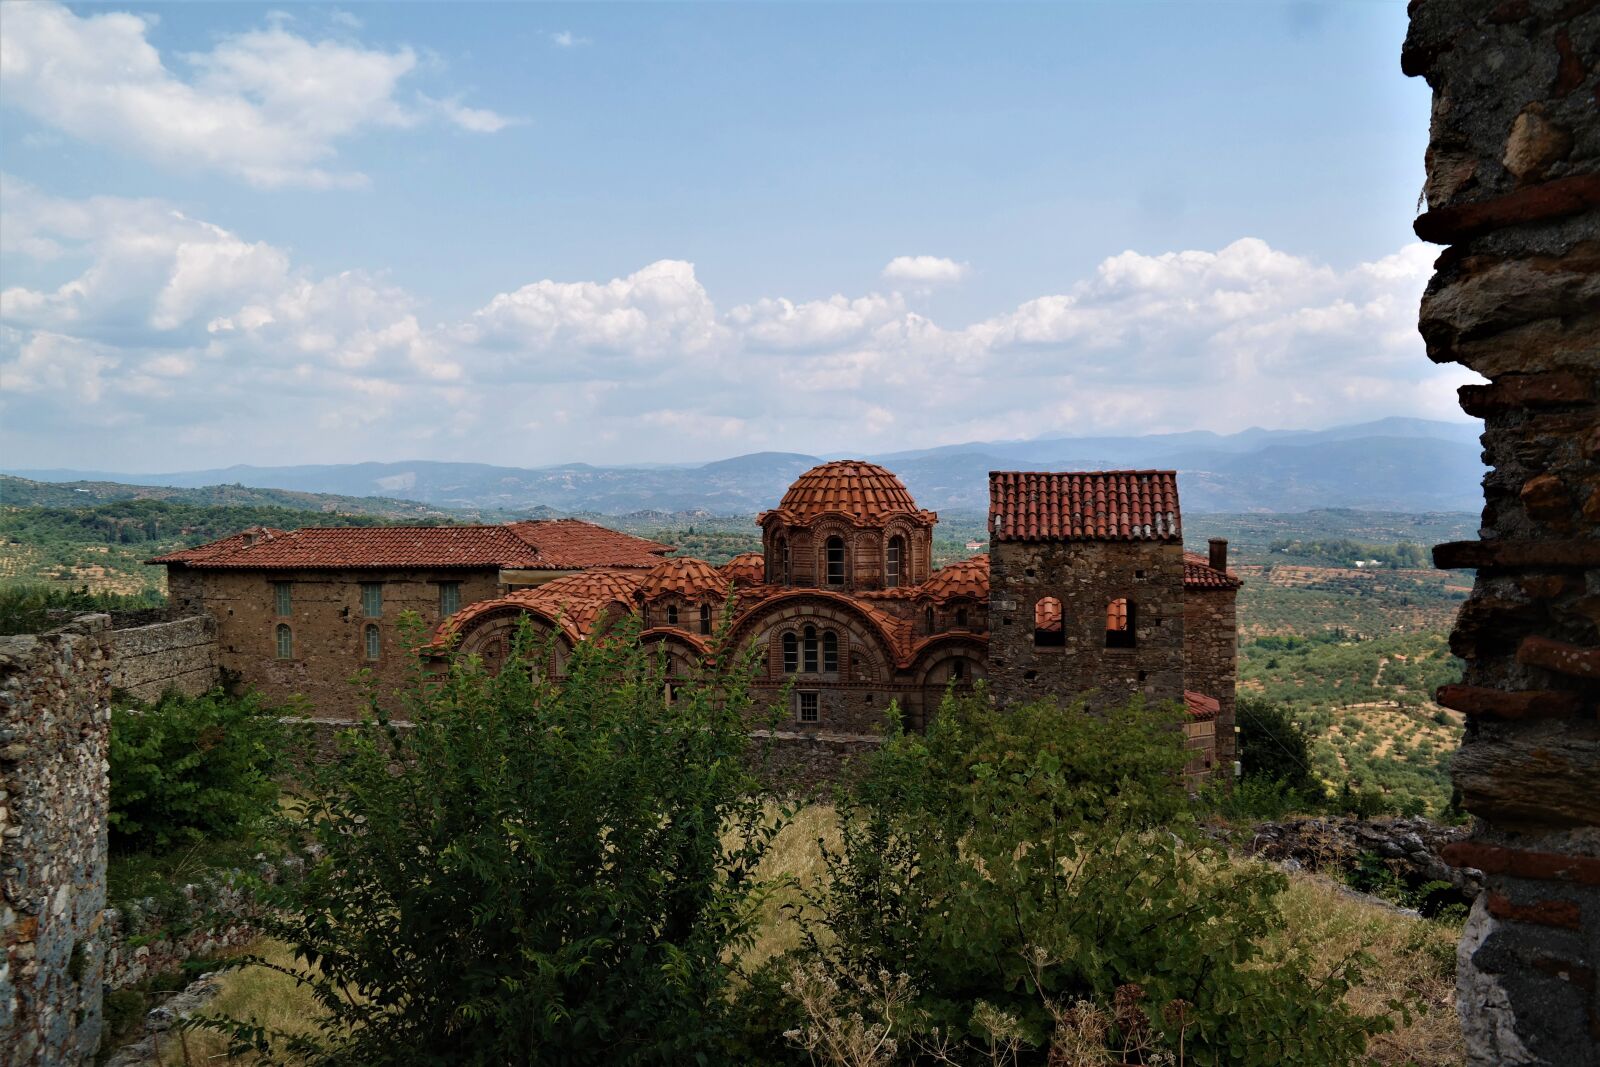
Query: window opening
(705, 618)
(830, 652)
(374, 642)
(809, 643)
(791, 653)
(1119, 624)
(372, 599)
(896, 551)
(1049, 624)
(835, 561)
(285, 641)
(449, 599)
(809, 707)
(283, 596)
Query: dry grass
(257, 994)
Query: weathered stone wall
(327, 624)
(1086, 576)
(1211, 660)
(1513, 188)
(179, 655)
(809, 764)
(55, 720)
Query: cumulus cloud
(265, 105)
(568, 39)
(209, 338)
(923, 271)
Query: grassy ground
(1414, 959)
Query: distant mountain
(1391, 464)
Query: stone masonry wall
(55, 720)
(1211, 660)
(1513, 188)
(179, 655)
(1086, 576)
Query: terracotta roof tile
(865, 493)
(1199, 574)
(572, 544)
(1047, 615)
(1084, 506)
(337, 547)
(684, 576)
(1200, 706)
(968, 578)
(219, 547)
(747, 568)
(576, 599)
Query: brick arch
(820, 532)
(488, 635)
(869, 650)
(939, 651)
(685, 656)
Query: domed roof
(865, 492)
(747, 568)
(683, 576)
(577, 599)
(968, 578)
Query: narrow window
(835, 561)
(810, 643)
(285, 641)
(791, 653)
(644, 617)
(1049, 628)
(809, 707)
(1119, 624)
(830, 652)
(672, 614)
(961, 618)
(449, 599)
(958, 670)
(891, 569)
(372, 599)
(781, 550)
(283, 597)
(927, 619)
(374, 641)
(705, 618)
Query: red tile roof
(747, 568)
(559, 544)
(1199, 574)
(968, 578)
(1084, 506)
(864, 493)
(684, 576)
(576, 599)
(1047, 615)
(1200, 706)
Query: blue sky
(541, 233)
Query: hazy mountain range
(1394, 464)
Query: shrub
(1274, 748)
(1030, 877)
(190, 768)
(534, 872)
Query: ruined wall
(180, 655)
(1086, 576)
(55, 721)
(1211, 660)
(328, 628)
(1513, 188)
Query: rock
(1534, 144)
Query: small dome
(747, 568)
(683, 576)
(865, 492)
(969, 578)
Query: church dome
(968, 578)
(683, 576)
(864, 492)
(747, 568)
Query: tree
(1273, 747)
(536, 871)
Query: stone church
(1086, 592)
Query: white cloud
(924, 270)
(265, 105)
(568, 39)
(199, 334)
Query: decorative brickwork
(1514, 188)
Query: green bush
(535, 872)
(1026, 881)
(191, 768)
(1274, 748)
(26, 608)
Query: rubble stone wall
(180, 655)
(1211, 660)
(55, 717)
(1513, 188)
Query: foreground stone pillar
(1513, 188)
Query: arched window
(791, 653)
(781, 551)
(809, 647)
(958, 670)
(672, 614)
(835, 561)
(893, 556)
(705, 618)
(374, 641)
(927, 619)
(285, 638)
(1049, 625)
(830, 652)
(1119, 624)
(961, 616)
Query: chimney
(1219, 554)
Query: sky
(609, 233)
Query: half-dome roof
(747, 568)
(683, 576)
(968, 578)
(864, 492)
